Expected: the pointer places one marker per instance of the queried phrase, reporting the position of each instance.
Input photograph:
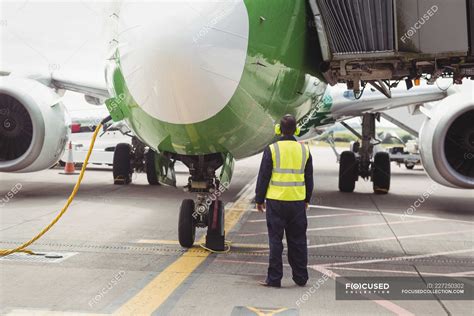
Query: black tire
(348, 169)
(122, 168)
(186, 226)
(150, 168)
(381, 173)
(409, 166)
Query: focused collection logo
(367, 287)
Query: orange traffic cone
(69, 168)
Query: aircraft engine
(34, 126)
(447, 141)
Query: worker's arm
(308, 179)
(264, 176)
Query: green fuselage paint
(280, 76)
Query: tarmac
(116, 250)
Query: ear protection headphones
(278, 130)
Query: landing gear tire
(409, 166)
(151, 168)
(186, 227)
(347, 172)
(215, 238)
(381, 173)
(122, 168)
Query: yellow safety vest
(289, 162)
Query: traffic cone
(69, 168)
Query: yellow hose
(227, 245)
(22, 248)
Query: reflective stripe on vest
(289, 163)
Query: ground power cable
(22, 248)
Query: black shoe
(264, 283)
(300, 283)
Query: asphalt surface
(116, 251)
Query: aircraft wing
(346, 105)
(92, 88)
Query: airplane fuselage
(214, 78)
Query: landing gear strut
(363, 163)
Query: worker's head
(288, 125)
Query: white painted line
(460, 274)
(390, 214)
(157, 241)
(245, 262)
(367, 225)
(312, 216)
(333, 208)
(457, 274)
(389, 238)
(430, 255)
(254, 210)
(246, 187)
(252, 234)
(340, 227)
(394, 308)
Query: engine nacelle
(34, 126)
(447, 141)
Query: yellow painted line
(163, 285)
(265, 311)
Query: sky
(42, 36)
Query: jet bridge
(376, 41)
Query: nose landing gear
(207, 210)
(191, 216)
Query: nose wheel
(187, 224)
(192, 216)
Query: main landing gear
(134, 158)
(362, 162)
(207, 210)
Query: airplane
(205, 85)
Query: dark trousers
(288, 217)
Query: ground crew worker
(285, 180)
